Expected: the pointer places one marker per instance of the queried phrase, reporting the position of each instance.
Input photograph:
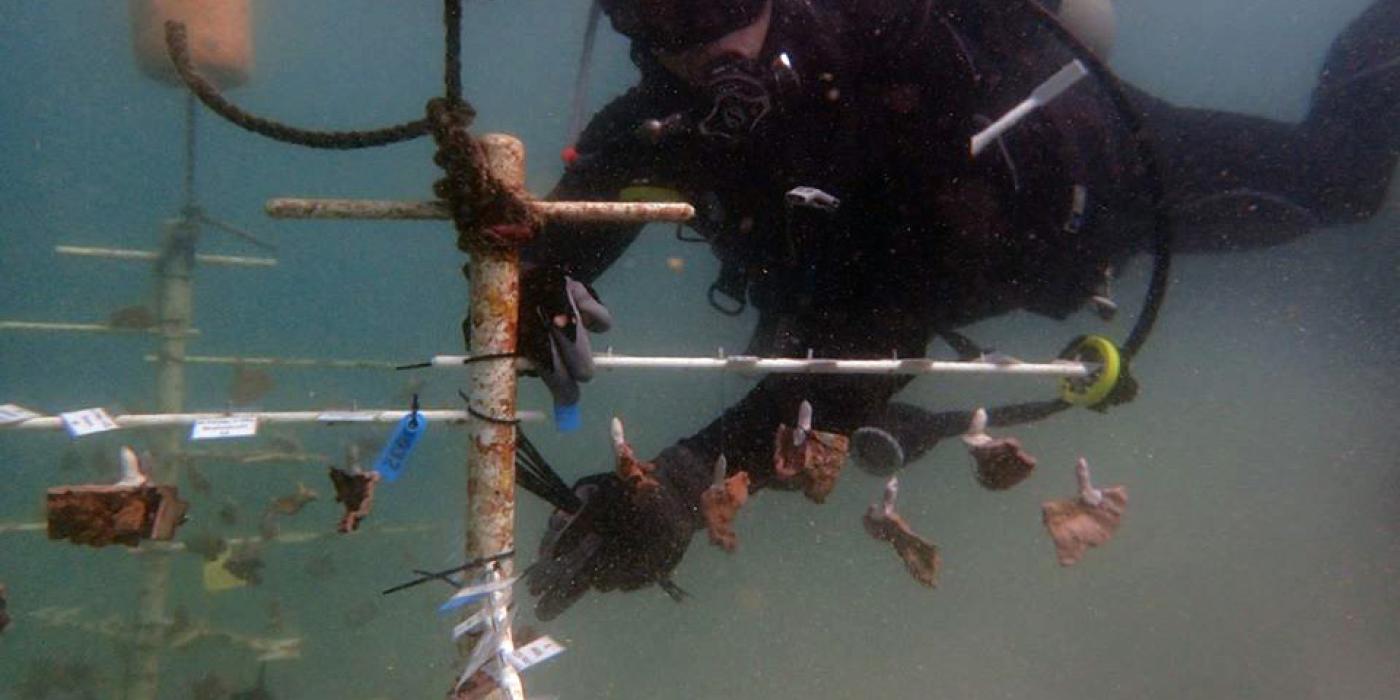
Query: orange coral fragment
(355, 491)
(1088, 520)
(1001, 463)
(920, 556)
(812, 459)
(124, 513)
(720, 504)
(636, 475)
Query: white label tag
(471, 624)
(231, 427)
(14, 413)
(541, 649)
(87, 422)
(345, 417)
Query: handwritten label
(14, 413)
(541, 649)
(219, 428)
(87, 422)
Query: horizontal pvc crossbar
(151, 256)
(162, 420)
(758, 365)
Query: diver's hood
(673, 25)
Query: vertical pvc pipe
(174, 308)
(495, 299)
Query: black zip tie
(416, 365)
(413, 417)
(489, 419)
(426, 576)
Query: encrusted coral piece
(1001, 463)
(124, 513)
(355, 491)
(720, 504)
(812, 459)
(636, 475)
(920, 556)
(292, 503)
(1087, 520)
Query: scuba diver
(825, 144)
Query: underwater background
(1260, 556)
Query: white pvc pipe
(160, 420)
(151, 255)
(282, 362)
(58, 326)
(758, 365)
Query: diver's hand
(556, 313)
(617, 539)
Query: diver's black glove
(556, 313)
(619, 539)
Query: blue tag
(566, 418)
(394, 459)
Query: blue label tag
(394, 459)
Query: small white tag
(345, 417)
(541, 649)
(471, 624)
(87, 422)
(14, 413)
(231, 427)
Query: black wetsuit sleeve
(610, 157)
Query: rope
(177, 43)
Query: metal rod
(749, 364)
(576, 212)
(283, 362)
(64, 327)
(151, 255)
(169, 420)
(494, 282)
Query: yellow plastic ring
(1092, 390)
(649, 193)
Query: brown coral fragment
(245, 563)
(811, 459)
(720, 504)
(124, 513)
(1001, 462)
(1088, 520)
(920, 556)
(292, 503)
(355, 491)
(636, 475)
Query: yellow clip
(217, 578)
(1094, 389)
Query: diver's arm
(610, 157)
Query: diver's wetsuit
(926, 239)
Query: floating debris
(1001, 463)
(292, 503)
(636, 475)
(122, 513)
(720, 504)
(812, 459)
(136, 317)
(245, 563)
(249, 384)
(355, 491)
(206, 544)
(920, 556)
(1088, 520)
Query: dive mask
(675, 25)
